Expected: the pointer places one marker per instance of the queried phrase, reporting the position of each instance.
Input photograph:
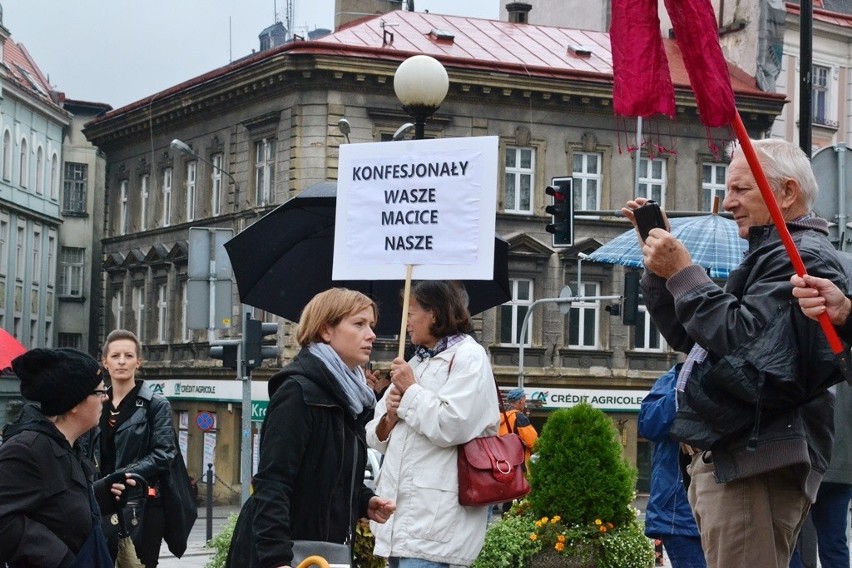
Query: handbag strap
(499, 394)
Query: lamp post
(185, 148)
(420, 83)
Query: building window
(117, 307)
(652, 179)
(4, 244)
(122, 222)
(36, 274)
(264, 170)
(71, 263)
(143, 204)
(646, 336)
(162, 311)
(24, 163)
(216, 185)
(712, 184)
(19, 252)
(39, 173)
(51, 258)
(76, 181)
(519, 180)
(191, 169)
(138, 306)
(820, 94)
(70, 340)
(7, 156)
(584, 319)
(54, 176)
(184, 308)
(587, 181)
(512, 314)
(167, 197)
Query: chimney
(519, 12)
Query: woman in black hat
(48, 513)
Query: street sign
(209, 270)
(834, 199)
(205, 421)
(198, 298)
(208, 244)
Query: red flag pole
(777, 218)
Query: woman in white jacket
(444, 396)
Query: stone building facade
(270, 121)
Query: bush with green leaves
(507, 543)
(579, 473)
(221, 543)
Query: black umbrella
(285, 258)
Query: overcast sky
(120, 51)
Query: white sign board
(428, 203)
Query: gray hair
(782, 160)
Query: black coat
(144, 444)
(308, 446)
(45, 506)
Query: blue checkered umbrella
(713, 242)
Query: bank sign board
(612, 400)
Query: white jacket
(454, 401)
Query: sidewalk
(197, 554)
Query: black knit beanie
(59, 379)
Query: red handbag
(491, 468)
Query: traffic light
(562, 210)
(226, 351)
(630, 316)
(255, 350)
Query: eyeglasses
(102, 393)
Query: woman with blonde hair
(309, 483)
(135, 435)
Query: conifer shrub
(579, 473)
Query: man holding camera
(754, 413)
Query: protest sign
(426, 203)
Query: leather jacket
(144, 443)
(759, 401)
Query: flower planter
(551, 559)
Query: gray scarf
(357, 393)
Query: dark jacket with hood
(45, 488)
(759, 401)
(310, 446)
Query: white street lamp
(185, 148)
(420, 83)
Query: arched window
(39, 177)
(54, 177)
(7, 156)
(24, 163)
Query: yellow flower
(560, 538)
(544, 520)
(555, 519)
(598, 522)
(559, 547)
(533, 537)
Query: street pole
(525, 325)
(211, 318)
(246, 442)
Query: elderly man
(754, 411)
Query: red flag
(642, 83)
(698, 37)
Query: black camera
(649, 216)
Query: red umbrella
(698, 36)
(9, 348)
